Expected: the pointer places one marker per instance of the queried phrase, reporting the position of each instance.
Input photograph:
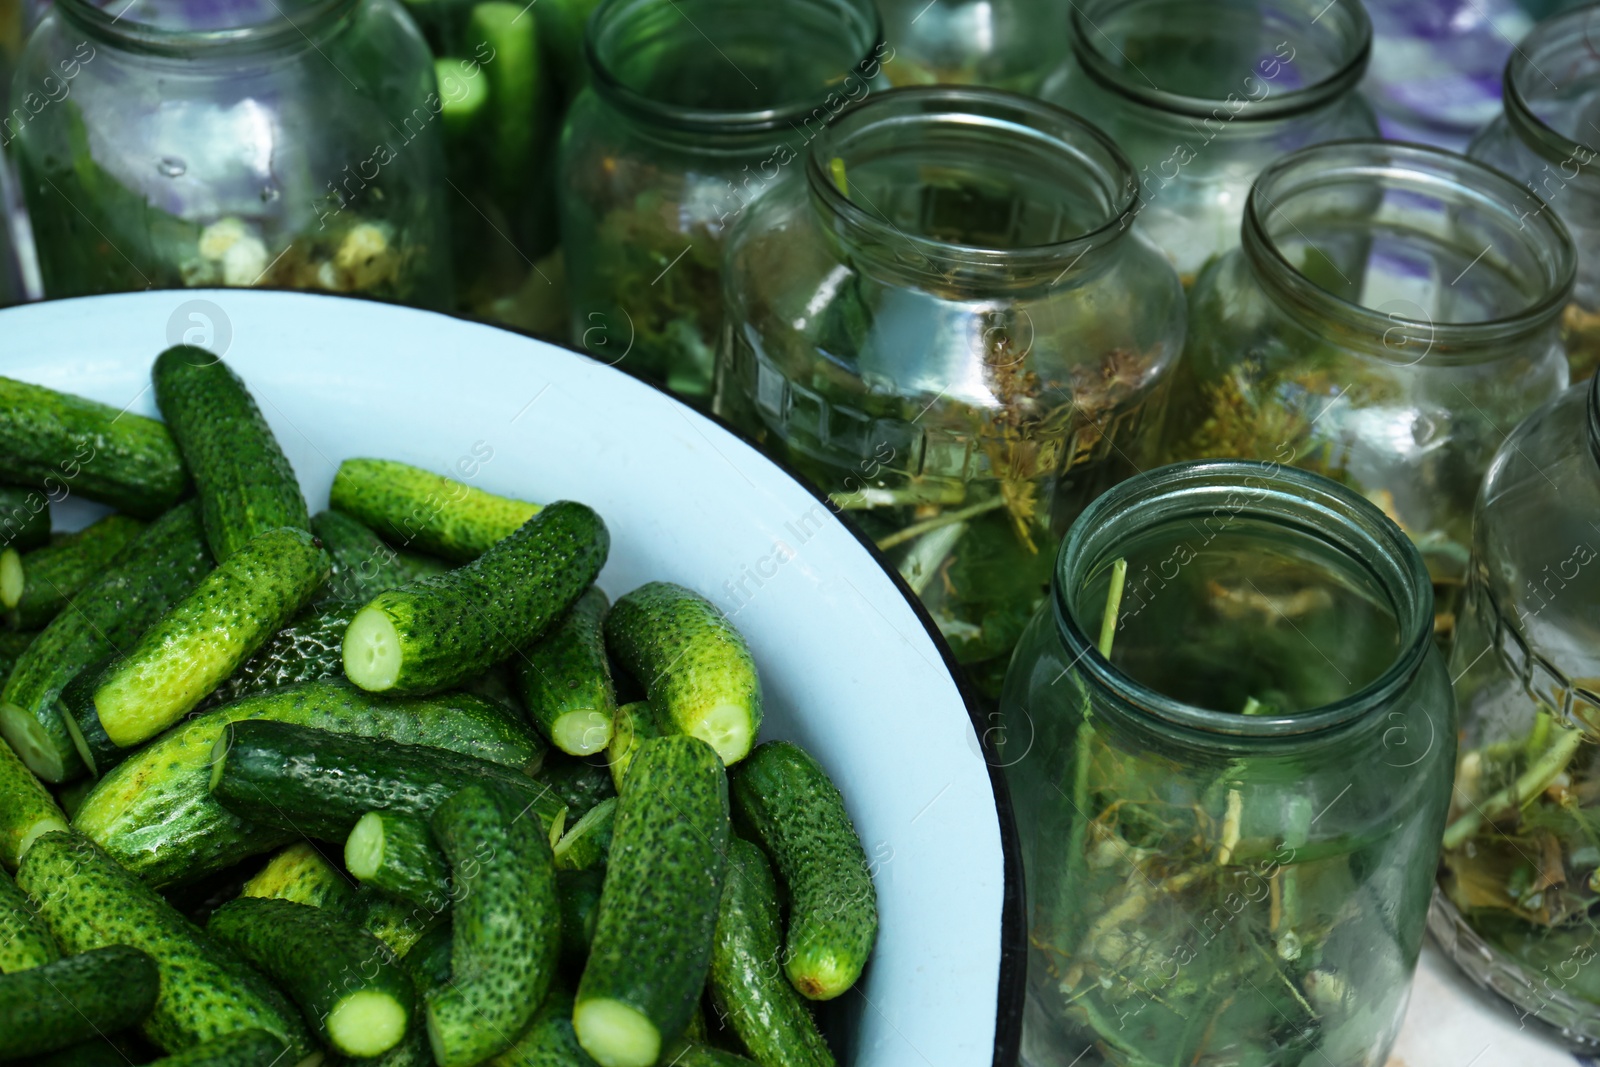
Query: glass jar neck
(204, 29)
(971, 191)
(1555, 66)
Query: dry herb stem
(1529, 784)
(917, 529)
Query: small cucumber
(795, 813)
(363, 564)
(580, 910)
(395, 852)
(244, 481)
(397, 923)
(349, 986)
(300, 874)
(579, 783)
(24, 518)
(437, 632)
(695, 666)
(548, 1040)
(587, 842)
(70, 1001)
(242, 1048)
(565, 679)
(426, 512)
(307, 650)
(517, 90)
(25, 941)
(663, 884)
(505, 926)
(47, 578)
(464, 101)
(27, 810)
(634, 723)
(66, 444)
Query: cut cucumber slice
(462, 97)
(28, 736)
(10, 578)
(366, 1023)
(615, 1034)
(372, 650)
(582, 733)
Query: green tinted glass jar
(1519, 888)
(1228, 739)
(1392, 314)
(1202, 94)
(675, 137)
(945, 321)
(185, 143)
(1002, 44)
(1547, 137)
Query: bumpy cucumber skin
(580, 910)
(51, 575)
(795, 813)
(363, 564)
(567, 670)
(245, 484)
(687, 655)
(307, 650)
(301, 874)
(399, 924)
(150, 574)
(663, 883)
(27, 809)
(585, 843)
(411, 866)
(154, 812)
(747, 983)
(74, 1000)
(57, 442)
(505, 926)
(89, 901)
(24, 518)
(25, 941)
(242, 1048)
(580, 784)
(427, 512)
(548, 1041)
(634, 723)
(203, 637)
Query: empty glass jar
(1228, 737)
(1003, 44)
(1203, 95)
(946, 323)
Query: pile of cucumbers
(392, 784)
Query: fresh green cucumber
(76, 704)
(155, 815)
(691, 1054)
(663, 884)
(548, 1040)
(242, 1048)
(25, 941)
(634, 723)
(307, 650)
(505, 926)
(301, 874)
(437, 632)
(395, 852)
(203, 637)
(747, 984)
(349, 986)
(426, 512)
(89, 901)
(12, 645)
(244, 481)
(363, 564)
(585, 844)
(70, 1001)
(580, 910)
(159, 567)
(399, 924)
(579, 783)
(49, 577)
(24, 518)
(428, 962)
(27, 809)
(517, 90)
(695, 666)
(63, 443)
(565, 679)
(463, 100)
(794, 812)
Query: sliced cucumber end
(48, 825)
(363, 849)
(32, 742)
(366, 1023)
(80, 743)
(728, 728)
(820, 976)
(219, 755)
(10, 578)
(372, 650)
(582, 733)
(615, 1034)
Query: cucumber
(160, 566)
(747, 984)
(395, 852)
(25, 941)
(242, 1048)
(89, 901)
(695, 666)
(634, 723)
(464, 101)
(580, 910)
(154, 813)
(349, 986)
(117, 1050)
(663, 883)
(437, 632)
(27, 809)
(24, 518)
(307, 650)
(548, 1040)
(70, 1001)
(301, 874)
(516, 91)
(425, 512)
(795, 813)
(12, 645)
(565, 679)
(89, 740)
(428, 962)
(63, 443)
(203, 637)
(245, 484)
(363, 565)
(690, 1054)
(48, 578)
(397, 923)
(317, 784)
(505, 926)
(580, 784)
(496, 684)
(71, 795)
(587, 842)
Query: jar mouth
(180, 27)
(1212, 497)
(1358, 233)
(1560, 55)
(648, 59)
(1198, 58)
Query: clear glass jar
(1202, 94)
(1547, 137)
(1393, 312)
(185, 143)
(1228, 740)
(672, 141)
(947, 323)
(994, 43)
(1519, 888)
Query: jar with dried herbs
(1228, 737)
(946, 323)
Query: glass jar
(1202, 94)
(185, 143)
(1228, 739)
(1393, 312)
(1518, 883)
(672, 141)
(1547, 137)
(994, 43)
(947, 324)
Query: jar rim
(1345, 520)
(1551, 36)
(158, 40)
